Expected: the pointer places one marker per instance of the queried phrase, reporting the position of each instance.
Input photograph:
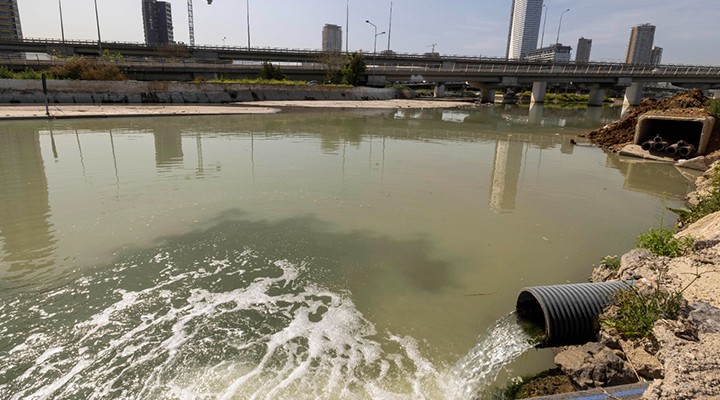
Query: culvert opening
(674, 136)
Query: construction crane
(433, 47)
(191, 22)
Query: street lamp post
(247, 11)
(62, 26)
(542, 39)
(97, 20)
(376, 36)
(557, 39)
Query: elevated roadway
(161, 63)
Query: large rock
(706, 229)
(692, 365)
(594, 365)
(705, 317)
(645, 364)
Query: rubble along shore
(681, 358)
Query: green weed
(612, 262)
(635, 312)
(662, 242)
(713, 106)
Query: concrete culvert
(568, 314)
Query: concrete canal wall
(18, 91)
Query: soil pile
(620, 133)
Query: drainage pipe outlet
(567, 314)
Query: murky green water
(325, 254)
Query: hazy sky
(687, 30)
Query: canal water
(303, 255)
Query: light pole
(390, 26)
(542, 40)
(62, 26)
(376, 36)
(347, 26)
(97, 20)
(557, 39)
(247, 11)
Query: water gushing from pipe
(500, 345)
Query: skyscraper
(10, 28)
(656, 55)
(524, 27)
(639, 49)
(157, 21)
(332, 38)
(582, 54)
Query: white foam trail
(274, 335)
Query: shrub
(662, 242)
(27, 73)
(634, 311)
(713, 106)
(612, 262)
(271, 72)
(354, 69)
(707, 205)
(89, 69)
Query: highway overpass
(184, 63)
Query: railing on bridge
(397, 63)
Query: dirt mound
(616, 135)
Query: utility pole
(247, 11)
(542, 40)
(557, 40)
(62, 26)
(97, 20)
(347, 26)
(390, 27)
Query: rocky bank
(681, 358)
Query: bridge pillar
(716, 94)
(633, 94)
(439, 89)
(538, 92)
(597, 95)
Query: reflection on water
(506, 174)
(27, 236)
(331, 254)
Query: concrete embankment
(15, 91)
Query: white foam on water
(276, 335)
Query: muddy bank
(617, 135)
(681, 357)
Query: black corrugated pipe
(568, 314)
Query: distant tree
(333, 63)
(271, 72)
(354, 69)
(87, 69)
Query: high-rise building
(157, 21)
(10, 28)
(524, 28)
(639, 49)
(332, 38)
(656, 55)
(582, 54)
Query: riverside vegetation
(667, 327)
